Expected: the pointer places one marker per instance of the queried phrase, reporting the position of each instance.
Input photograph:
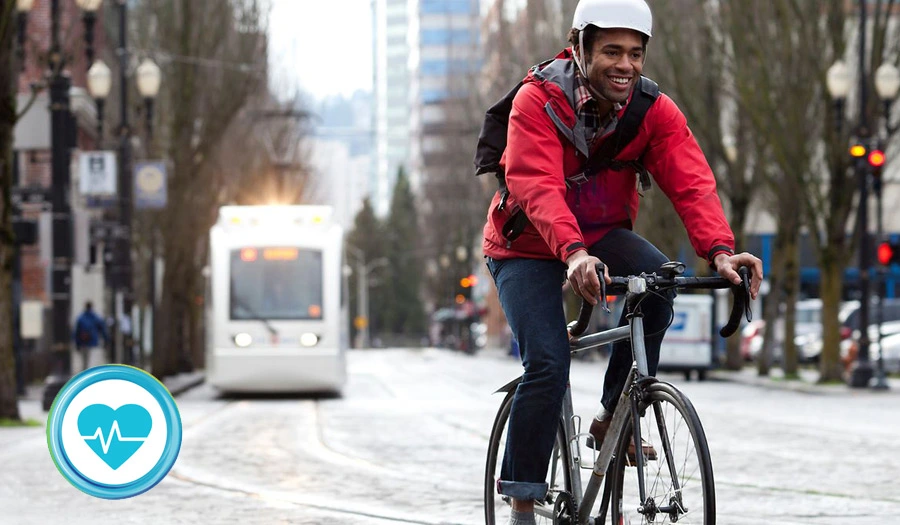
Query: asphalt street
(406, 443)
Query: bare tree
(261, 158)
(782, 51)
(688, 57)
(213, 60)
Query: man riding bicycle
(565, 110)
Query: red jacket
(540, 154)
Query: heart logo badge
(114, 435)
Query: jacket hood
(559, 71)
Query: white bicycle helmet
(608, 14)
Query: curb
(795, 385)
(178, 386)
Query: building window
(434, 95)
(443, 37)
(441, 67)
(447, 7)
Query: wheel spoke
(678, 488)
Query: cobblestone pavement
(406, 444)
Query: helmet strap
(579, 60)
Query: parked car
(751, 339)
(807, 326)
(848, 316)
(891, 356)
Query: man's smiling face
(615, 63)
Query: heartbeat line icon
(111, 447)
(114, 432)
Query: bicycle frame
(627, 404)
(634, 288)
(585, 503)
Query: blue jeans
(530, 293)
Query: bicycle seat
(671, 269)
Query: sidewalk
(807, 383)
(176, 385)
(181, 383)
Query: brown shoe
(598, 432)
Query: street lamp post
(362, 289)
(89, 10)
(148, 80)
(887, 85)
(838, 83)
(123, 253)
(22, 9)
(61, 144)
(99, 80)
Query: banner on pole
(97, 173)
(150, 184)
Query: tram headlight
(243, 340)
(309, 339)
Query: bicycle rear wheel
(497, 506)
(679, 482)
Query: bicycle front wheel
(679, 485)
(496, 506)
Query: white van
(688, 342)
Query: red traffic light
(885, 253)
(876, 158)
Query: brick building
(32, 153)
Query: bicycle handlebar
(620, 285)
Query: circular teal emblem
(114, 431)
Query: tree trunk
(791, 280)
(830, 368)
(174, 313)
(9, 406)
(770, 314)
(739, 207)
(772, 305)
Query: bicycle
(679, 492)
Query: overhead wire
(164, 56)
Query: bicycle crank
(564, 511)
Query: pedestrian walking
(89, 328)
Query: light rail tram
(276, 309)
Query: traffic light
(468, 281)
(857, 151)
(876, 161)
(876, 158)
(889, 253)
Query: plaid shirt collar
(586, 109)
(582, 95)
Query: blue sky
(329, 39)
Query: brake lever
(744, 272)
(600, 273)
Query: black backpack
(492, 143)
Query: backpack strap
(646, 93)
